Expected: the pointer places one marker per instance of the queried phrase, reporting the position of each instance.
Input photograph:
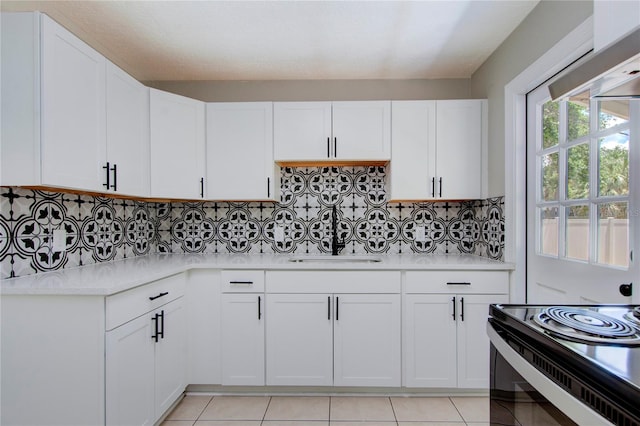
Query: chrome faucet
(336, 244)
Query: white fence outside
(613, 240)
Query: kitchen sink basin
(334, 259)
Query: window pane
(613, 234)
(577, 232)
(549, 230)
(578, 172)
(613, 165)
(550, 124)
(578, 116)
(550, 177)
(612, 113)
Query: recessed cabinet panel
(321, 132)
(302, 130)
(243, 339)
(362, 130)
(429, 331)
(130, 374)
(73, 110)
(438, 150)
(473, 342)
(127, 114)
(459, 135)
(300, 339)
(240, 152)
(177, 146)
(412, 169)
(367, 343)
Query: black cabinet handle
(159, 295)
(440, 187)
(268, 187)
(241, 282)
(433, 186)
(259, 308)
(161, 333)
(329, 307)
(107, 169)
(201, 187)
(462, 308)
(114, 169)
(458, 283)
(337, 308)
(328, 147)
(335, 147)
(155, 328)
(453, 302)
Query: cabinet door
(429, 341)
(127, 133)
(73, 110)
(459, 136)
(240, 151)
(362, 130)
(130, 373)
(299, 340)
(413, 167)
(473, 342)
(302, 131)
(170, 356)
(367, 340)
(177, 146)
(242, 339)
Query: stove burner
(583, 325)
(633, 316)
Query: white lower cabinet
(445, 344)
(242, 339)
(300, 339)
(145, 356)
(333, 338)
(367, 340)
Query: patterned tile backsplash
(98, 229)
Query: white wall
(547, 24)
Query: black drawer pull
(458, 283)
(241, 282)
(159, 295)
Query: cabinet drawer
(333, 281)
(490, 282)
(239, 281)
(130, 304)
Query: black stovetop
(618, 363)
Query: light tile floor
(200, 410)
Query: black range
(565, 364)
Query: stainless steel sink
(334, 259)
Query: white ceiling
(290, 40)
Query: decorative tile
(101, 229)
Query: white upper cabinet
(302, 130)
(332, 131)
(239, 148)
(362, 131)
(53, 106)
(71, 119)
(127, 112)
(177, 146)
(438, 150)
(73, 110)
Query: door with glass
(582, 199)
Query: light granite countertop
(103, 279)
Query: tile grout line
(203, 410)
(393, 410)
(264, 416)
